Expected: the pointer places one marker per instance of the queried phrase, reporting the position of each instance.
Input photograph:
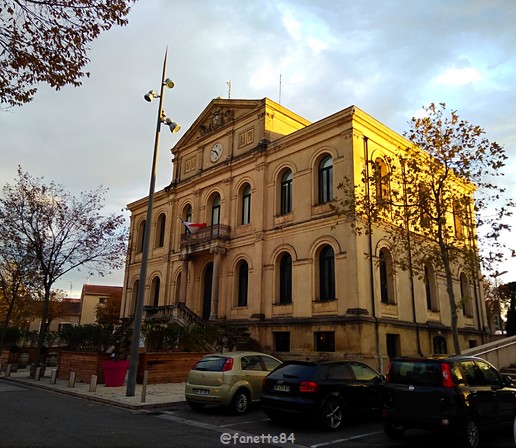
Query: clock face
(216, 152)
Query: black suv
(460, 394)
(325, 392)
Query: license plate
(281, 388)
(201, 391)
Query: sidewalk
(157, 395)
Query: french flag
(194, 227)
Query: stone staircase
(230, 336)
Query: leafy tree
(109, 312)
(47, 41)
(57, 306)
(429, 197)
(60, 231)
(16, 278)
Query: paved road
(31, 417)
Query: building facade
(273, 254)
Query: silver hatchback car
(232, 379)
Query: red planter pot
(114, 372)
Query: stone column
(214, 309)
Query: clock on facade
(216, 152)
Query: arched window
(382, 184)
(386, 276)
(243, 283)
(286, 193)
(246, 205)
(160, 230)
(215, 210)
(141, 236)
(285, 279)
(327, 274)
(430, 288)
(155, 291)
(439, 343)
(326, 180)
(458, 219)
(465, 294)
(187, 217)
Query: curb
(133, 407)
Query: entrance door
(208, 279)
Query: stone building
(269, 250)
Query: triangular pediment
(219, 113)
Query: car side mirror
(379, 380)
(507, 380)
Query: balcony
(178, 312)
(203, 238)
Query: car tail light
(308, 386)
(228, 365)
(387, 376)
(447, 376)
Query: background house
(92, 296)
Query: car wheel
(469, 437)
(240, 403)
(393, 431)
(332, 414)
(196, 406)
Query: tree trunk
(451, 298)
(43, 328)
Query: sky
(316, 58)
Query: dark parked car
(461, 395)
(323, 391)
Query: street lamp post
(138, 315)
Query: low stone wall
(167, 367)
(84, 364)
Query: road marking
(359, 436)
(245, 423)
(208, 426)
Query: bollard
(144, 385)
(8, 370)
(37, 376)
(53, 376)
(93, 383)
(71, 380)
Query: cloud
(458, 76)
(389, 58)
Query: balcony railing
(178, 312)
(206, 235)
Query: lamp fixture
(173, 126)
(151, 95)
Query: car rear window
(211, 363)
(415, 373)
(294, 371)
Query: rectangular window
(324, 341)
(282, 341)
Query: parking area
(256, 429)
